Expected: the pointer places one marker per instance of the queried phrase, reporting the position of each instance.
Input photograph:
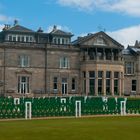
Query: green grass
(100, 128)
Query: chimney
(6, 27)
(15, 22)
(136, 43)
(54, 28)
(40, 30)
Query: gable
(96, 40)
(19, 28)
(99, 39)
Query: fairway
(96, 128)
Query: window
(116, 74)
(92, 86)
(108, 74)
(20, 38)
(92, 74)
(27, 39)
(73, 84)
(54, 41)
(100, 74)
(23, 84)
(100, 41)
(55, 83)
(64, 62)
(134, 83)
(31, 39)
(116, 83)
(10, 38)
(63, 41)
(108, 54)
(129, 67)
(58, 40)
(14, 38)
(24, 61)
(108, 81)
(84, 74)
(99, 86)
(92, 82)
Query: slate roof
(126, 52)
(19, 28)
(80, 40)
(60, 32)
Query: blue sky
(119, 18)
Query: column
(96, 83)
(112, 83)
(120, 84)
(104, 83)
(112, 55)
(122, 80)
(87, 82)
(104, 55)
(96, 53)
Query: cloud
(130, 7)
(4, 18)
(80, 4)
(1, 27)
(64, 28)
(126, 36)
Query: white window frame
(129, 65)
(22, 84)
(24, 60)
(64, 62)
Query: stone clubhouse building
(36, 64)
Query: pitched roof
(135, 50)
(60, 32)
(19, 28)
(56, 31)
(81, 40)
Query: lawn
(97, 128)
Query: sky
(118, 18)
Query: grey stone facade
(49, 64)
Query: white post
(123, 108)
(78, 109)
(16, 101)
(28, 109)
(63, 100)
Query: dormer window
(10, 38)
(61, 40)
(20, 38)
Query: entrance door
(64, 86)
(23, 84)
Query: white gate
(28, 110)
(123, 108)
(78, 109)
